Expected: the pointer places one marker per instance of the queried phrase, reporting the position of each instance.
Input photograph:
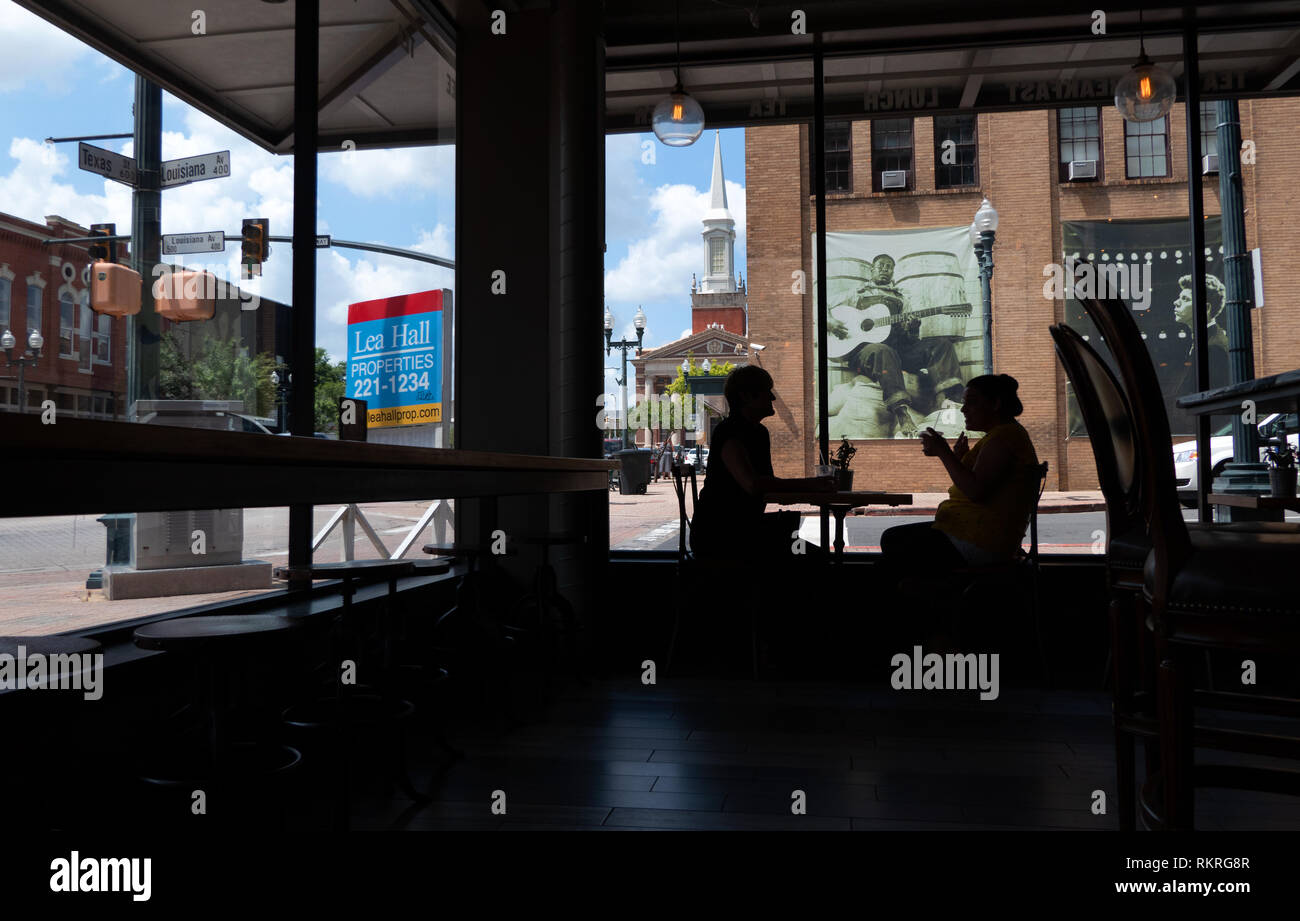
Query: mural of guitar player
(879, 338)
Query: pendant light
(1146, 92)
(678, 120)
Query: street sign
(322, 241)
(195, 169)
(213, 241)
(115, 166)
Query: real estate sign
(396, 357)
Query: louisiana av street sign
(113, 165)
(195, 169)
(175, 244)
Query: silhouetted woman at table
(994, 484)
(729, 518)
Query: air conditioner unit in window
(1209, 164)
(1082, 169)
(893, 179)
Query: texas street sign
(113, 165)
(194, 169)
(174, 244)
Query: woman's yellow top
(998, 523)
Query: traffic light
(253, 246)
(107, 250)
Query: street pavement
(44, 562)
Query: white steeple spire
(719, 232)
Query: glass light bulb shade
(678, 120)
(686, 366)
(275, 377)
(705, 366)
(35, 341)
(1145, 93)
(7, 341)
(609, 319)
(639, 319)
(974, 234)
(986, 218)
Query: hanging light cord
(677, 34)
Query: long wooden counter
(79, 466)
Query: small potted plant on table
(843, 455)
(1282, 470)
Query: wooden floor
(731, 754)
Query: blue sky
(52, 85)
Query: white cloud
(32, 189)
(403, 171)
(660, 265)
(36, 51)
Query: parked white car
(1185, 462)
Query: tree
(331, 386)
(642, 414)
(216, 369)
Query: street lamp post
(32, 354)
(982, 232)
(623, 345)
(281, 382)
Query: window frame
(1128, 157)
(1209, 109)
(876, 155)
(974, 145)
(845, 151)
(6, 302)
(1063, 164)
(102, 334)
(40, 308)
(71, 329)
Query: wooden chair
(694, 571)
(1207, 588)
(1020, 575)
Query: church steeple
(719, 233)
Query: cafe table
(1276, 393)
(839, 504)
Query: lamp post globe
(36, 341)
(7, 341)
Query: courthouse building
(1067, 182)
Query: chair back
(1170, 541)
(685, 527)
(1108, 418)
(1033, 514)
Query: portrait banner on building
(1152, 263)
(904, 331)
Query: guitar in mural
(868, 322)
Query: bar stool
(359, 710)
(212, 646)
(543, 612)
(38, 786)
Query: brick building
(1019, 160)
(83, 364)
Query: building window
(1209, 128)
(1080, 137)
(103, 339)
(35, 308)
(86, 341)
(1146, 148)
(717, 256)
(891, 149)
(67, 325)
(839, 158)
(6, 288)
(955, 152)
